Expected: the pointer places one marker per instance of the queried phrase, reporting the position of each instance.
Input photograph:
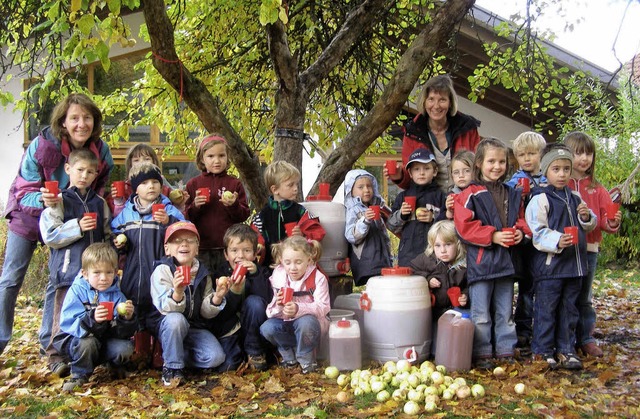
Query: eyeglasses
(462, 172)
(178, 240)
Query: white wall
(493, 124)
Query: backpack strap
(310, 285)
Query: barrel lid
(397, 270)
(344, 323)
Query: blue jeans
(295, 339)
(18, 253)
(233, 354)
(587, 316)
(254, 313)
(492, 315)
(183, 345)
(556, 316)
(87, 353)
(524, 307)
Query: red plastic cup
(573, 230)
(186, 274)
(612, 209)
(238, 272)
(119, 187)
(411, 200)
(52, 186)
(204, 192)
(323, 189)
(155, 208)
(376, 211)
(288, 227)
(109, 306)
(391, 167)
(525, 184)
(287, 295)
(513, 230)
(454, 294)
(93, 215)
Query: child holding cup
(365, 227)
(68, 229)
(583, 180)
(559, 265)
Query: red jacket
(597, 198)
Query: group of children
(541, 229)
(214, 290)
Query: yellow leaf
(75, 5)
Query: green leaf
(85, 24)
(75, 5)
(114, 6)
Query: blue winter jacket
(548, 213)
(60, 230)
(145, 245)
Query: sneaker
(592, 349)
(307, 368)
(483, 364)
(570, 361)
(117, 372)
(74, 382)
(551, 361)
(61, 369)
(258, 362)
(172, 376)
(289, 364)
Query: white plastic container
(351, 302)
(334, 259)
(454, 343)
(398, 322)
(344, 345)
(334, 315)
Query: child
(559, 265)
(144, 153)
(597, 198)
(461, 174)
(295, 327)
(241, 247)
(481, 211)
(526, 148)
(87, 335)
(68, 231)
(366, 232)
(224, 204)
(413, 224)
(144, 231)
(282, 179)
(182, 310)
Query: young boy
(412, 224)
(561, 260)
(241, 246)
(90, 333)
(144, 231)
(282, 179)
(68, 230)
(365, 229)
(527, 148)
(182, 310)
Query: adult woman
(438, 127)
(75, 122)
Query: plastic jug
(344, 345)
(454, 341)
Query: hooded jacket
(548, 213)
(145, 245)
(369, 244)
(60, 230)
(44, 160)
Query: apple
(447, 394)
(121, 309)
(478, 391)
(411, 408)
(403, 365)
(377, 386)
(441, 368)
(415, 395)
(431, 390)
(519, 388)
(437, 378)
(390, 366)
(499, 372)
(223, 281)
(399, 395)
(461, 381)
(331, 372)
(430, 406)
(358, 391)
(121, 239)
(383, 396)
(413, 380)
(342, 397)
(176, 196)
(227, 195)
(463, 392)
(342, 380)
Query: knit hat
(147, 171)
(421, 155)
(180, 226)
(556, 153)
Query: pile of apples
(419, 388)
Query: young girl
(216, 200)
(597, 199)
(481, 212)
(444, 265)
(138, 154)
(296, 323)
(461, 174)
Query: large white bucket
(398, 322)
